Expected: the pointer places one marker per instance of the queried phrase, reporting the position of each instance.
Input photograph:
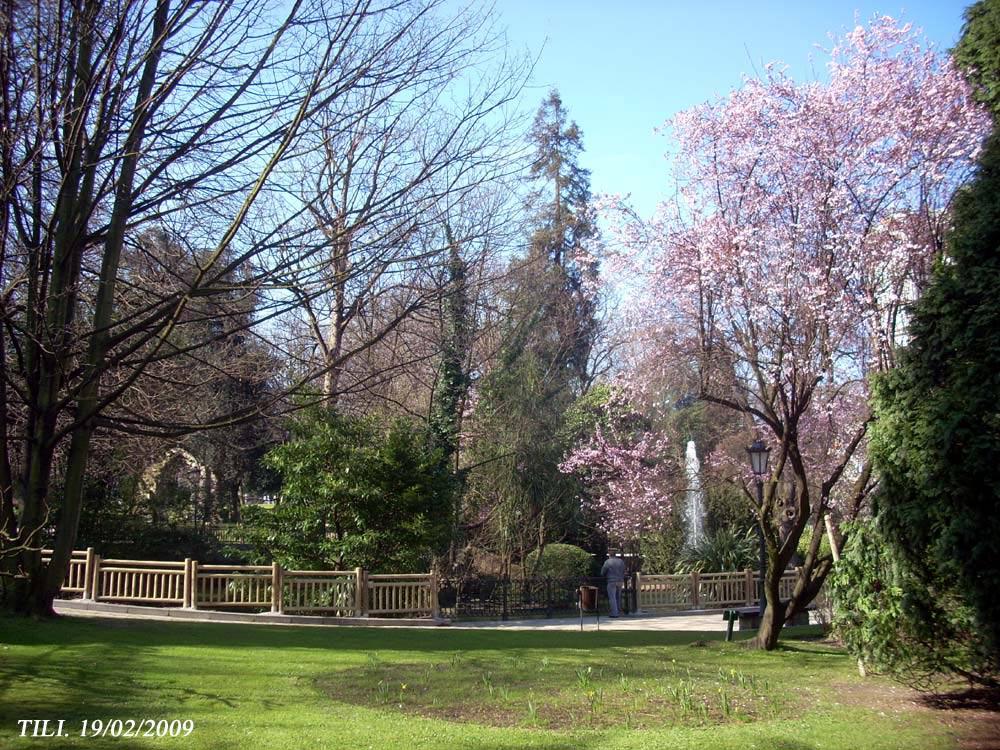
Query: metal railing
(505, 598)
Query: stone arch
(200, 478)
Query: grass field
(247, 686)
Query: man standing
(614, 569)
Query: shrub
(134, 537)
(719, 551)
(899, 623)
(558, 561)
(355, 492)
(661, 550)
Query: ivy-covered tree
(453, 378)
(451, 388)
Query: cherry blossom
(628, 471)
(807, 217)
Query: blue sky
(624, 67)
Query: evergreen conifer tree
(558, 263)
(543, 364)
(920, 585)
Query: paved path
(696, 621)
(699, 621)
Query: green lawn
(281, 687)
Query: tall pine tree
(558, 265)
(524, 499)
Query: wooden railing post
(435, 608)
(95, 584)
(831, 537)
(360, 593)
(638, 591)
(277, 584)
(193, 577)
(186, 584)
(750, 594)
(88, 574)
(696, 601)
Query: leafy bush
(917, 588)
(719, 551)
(558, 561)
(661, 550)
(726, 506)
(133, 537)
(806, 539)
(726, 514)
(355, 493)
(897, 623)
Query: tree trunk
(235, 501)
(770, 628)
(774, 615)
(62, 549)
(46, 583)
(340, 315)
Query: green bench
(749, 618)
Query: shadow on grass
(77, 668)
(78, 631)
(52, 676)
(125, 638)
(975, 699)
(809, 644)
(974, 709)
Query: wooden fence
(338, 593)
(351, 593)
(706, 590)
(388, 593)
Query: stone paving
(710, 622)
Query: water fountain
(694, 511)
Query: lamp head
(759, 454)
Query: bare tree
(119, 117)
(382, 188)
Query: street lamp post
(759, 454)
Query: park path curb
(705, 621)
(77, 606)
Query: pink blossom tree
(627, 469)
(807, 216)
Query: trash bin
(588, 598)
(447, 596)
